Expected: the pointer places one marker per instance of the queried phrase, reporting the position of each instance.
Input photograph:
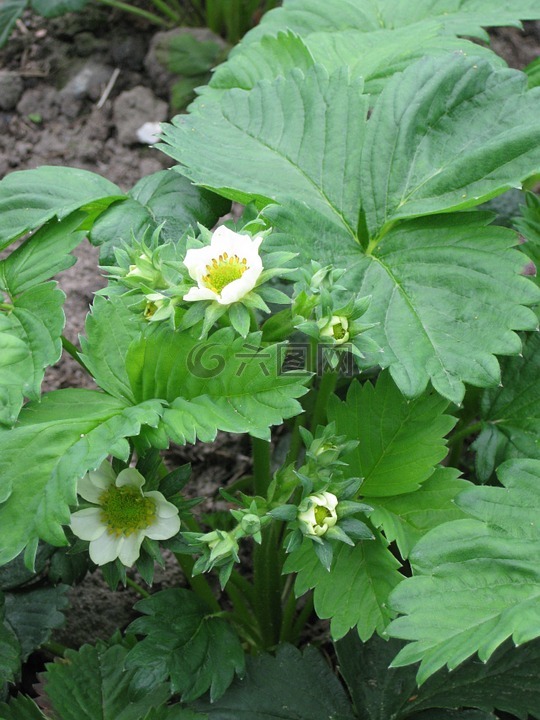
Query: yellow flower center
(321, 513)
(224, 270)
(339, 331)
(125, 510)
(150, 309)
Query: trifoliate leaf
(29, 198)
(406, 518)
(93, 684)
(290, 686)
(223, 382)
(355, 591)
(76, 429)
(186, 643)
(34, 613)
(476, 581)
(400, 441)
(268, 151)
(375, 55)
(512, 412)
(446, 293)
(447, 134)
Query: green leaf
(355, 591)
(512, 412)
(407, 518)
(30, 341)
(92, 684)
(446, 292)
(476, 581)
(29, 198)
(10, 12)
(186, 643)
(54, 8)
(379, 55)
(401, 442)
(34, 613)
(10, 649)
(184, 54)
(54, 443)
(269, 151)
(174, 712)
(533, 73)
(161, 198)
(16, 573)
(291, 686)
(219, 383)
(21, 708)
(42, 255)
(454, 715)
(376, 56)
(380, 692)
(467, 17)
(447, 134)
(110, 329)
(263, 60)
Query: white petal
(200, 293)
(87, 524)
(225, 240)
(163, 528)
(105, 548)
(89, 490)
(237, 289)
(163, 507)
(92, 485)
(130, 548)
(196, 261)
(130, 476)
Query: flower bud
(337, 329)
(317, 513)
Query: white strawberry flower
(317, 513)
(226, 270)
(123, 515)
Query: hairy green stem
(261, 466)
(151, 17)
(54, 648)
(301, 620)
(267, 582)
(138, 588)
(326, 388)
(465, 432)
(296, 440)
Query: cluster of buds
(195, 281)
(219, 549)
(319, 312)
(156, 271)
(326, 509)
